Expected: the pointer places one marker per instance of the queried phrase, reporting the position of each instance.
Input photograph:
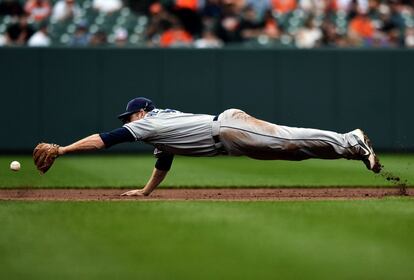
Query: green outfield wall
(60, 95)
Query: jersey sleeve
(117, 136)
(164, 160)
(141, 129)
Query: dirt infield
(206, 194)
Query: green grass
(131, 171)
(369, 239)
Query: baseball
(15, 165)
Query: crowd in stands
(208, 23)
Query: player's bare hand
(134, 193)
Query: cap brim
(125, 115)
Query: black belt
(216, 137)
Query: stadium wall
(60, 94)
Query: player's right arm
(99, 141)
(45, 154)
(90, 143)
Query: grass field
(369, 239)
(350, 239)
(130, 171)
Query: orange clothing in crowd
(174, 36)
(362, 26)
(37, 11)
(271, 28)
(186, 4)
(332, 5)
(283, 6)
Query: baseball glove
(44, 155)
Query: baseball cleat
(370, 160)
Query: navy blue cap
(135, 105)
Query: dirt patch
(205, 194)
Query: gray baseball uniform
(236, 133)
(176, 132)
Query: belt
(217, 143)
(216, 137)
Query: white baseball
(15, 165)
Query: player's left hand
(44, 155)
(134, 193)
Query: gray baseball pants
(242, 134)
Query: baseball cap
(136, 105)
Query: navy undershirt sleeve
(164, 162)
(117, 136)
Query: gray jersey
(240, 134)
(176, 132)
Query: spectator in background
(65, 9)
(187, 4)
(260, 7)
(208, 40)
(228, 27)
(210, 14)
(397, 8)
(81, 37)
(175, 36)
(253, 28)
(189, 19)
(361, 28)
(309, 36)
(160, 20)
(409, 37)
(283, 6)
(11, 8)
(391, 22)
(350, 5)
(40, 38)
(211, 9)
(271, 27)
(121, 37)
(372, 23)
(373, 9)
(37, 10)
(107, 6)
(3, 40)
(315, 7)
(329, 37)
(98, 39)
(250, 27)
(19, 33)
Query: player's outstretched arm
(99, 141)
(45, 154)
(90, 143)
(156, 178)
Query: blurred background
(208, 23)
(68, 67)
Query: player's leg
(242, 134)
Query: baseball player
(233, 133)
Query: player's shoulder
(162, 112)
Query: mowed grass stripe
(134, 171)
(207, 240)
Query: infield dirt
(107, 194)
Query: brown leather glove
(44, 155)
